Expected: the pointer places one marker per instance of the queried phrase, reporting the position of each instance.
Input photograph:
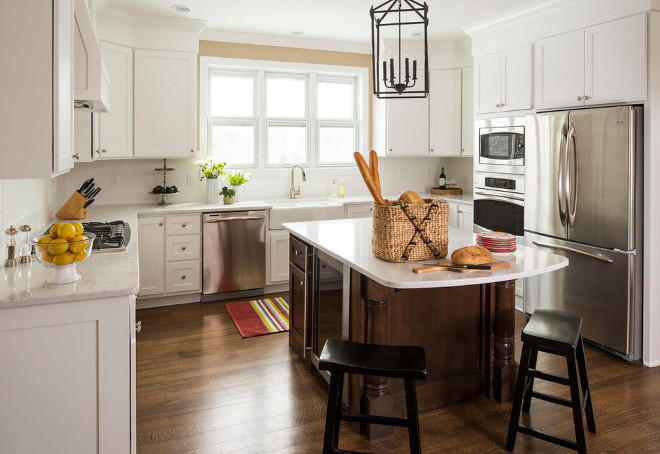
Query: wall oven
(501, 145)
(499, 203)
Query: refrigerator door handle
(561, 196)
(602, 258)
(571, 184)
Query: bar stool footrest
(374, 419)
(547, 437)
(548, 377)
(553, 399)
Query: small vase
(212, 192)
(228, 199)
(239, 192)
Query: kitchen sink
(299, 210)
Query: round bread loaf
(471, 255)
(411, 197)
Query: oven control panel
(501, 183)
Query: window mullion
(313, 121)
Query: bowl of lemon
(62, 249)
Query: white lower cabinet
(364, 210)
(170, 254)
(278, 257)
(66, 377)
(453, 215)
(460, 216)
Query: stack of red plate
(497, 242)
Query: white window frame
(313, 71)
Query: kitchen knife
(456, 269)
(94, 193)
(470, 267)
(85, 185)
(88, 191)
(88, 203)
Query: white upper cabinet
(467, 121)
(445, 112)
(559, 70)
(407, 123)
(165, 104)
(36, 93)
(503, 81)
(602, 64)
(116, 126)
(615, 61)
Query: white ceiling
(334, 20)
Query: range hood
(91, 84)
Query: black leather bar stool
(340, 356)
(558, 333)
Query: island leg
(376, 399)
(505, 367)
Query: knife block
(73, 208)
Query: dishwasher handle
(236, 218)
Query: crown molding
(284, 41)
(516, 15)
(153, 22)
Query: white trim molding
(284, 41)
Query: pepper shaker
(11, 246)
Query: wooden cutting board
(448, 265)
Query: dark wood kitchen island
(464, 321)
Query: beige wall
(284, 54)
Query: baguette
(368, 179)
(471, 255)
(373, 165)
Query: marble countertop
(359, 199)
(349, 241)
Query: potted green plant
(211, 171)
(237, 180)
(228, 195)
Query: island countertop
(349, 241)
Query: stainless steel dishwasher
(234, 251)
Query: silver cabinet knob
(97, 151)
(390, 150)
(586, 97)
(183, 248)
(160, 224)
(579, 98)
(138, 327)
(302, 283)
(296, 252)
(183, 225)
(104, 150)
(183, 276)
(192, 150)
(75, 156)
(431, 150)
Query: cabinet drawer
(182, 225)
(183, 276)
(297, 253)
(182, 247)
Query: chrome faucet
(294, 192)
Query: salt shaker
(11, 246)
(26, 247)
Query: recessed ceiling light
(297, 33)
(181, 8)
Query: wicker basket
(406, 232)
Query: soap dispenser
(333, 188)
(342, 188)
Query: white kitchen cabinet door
(465, 217)
(66, 370)
(453, 214)
(165, 104)
(615, 61)
(85, 135)
(467, 111)
(516, 91)
(408, 127)
(116, 126)
(559, 71)
(151, 242)
(487, 83)
(365, 210)
(445, 112)
(278, 260)
(63, 86)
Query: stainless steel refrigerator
(583, 200)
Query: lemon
(58, 246)
(78, 226)
(47, 257)
(66, 231)
(44, 241)
(78, 244)
(80, 256)
(54, 229)
(64, 258)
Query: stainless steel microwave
(501, 145)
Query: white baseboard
(651, 364)
(159, 301)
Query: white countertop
(349, 241)
(358, 199)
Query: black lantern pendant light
(393, 78)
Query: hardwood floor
(201, 388)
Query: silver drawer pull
(296, 252)
(302, 283)
(160, 224)
(138, 327)
(602, 258)
(183, 248)
(183, 276)
(183, 225)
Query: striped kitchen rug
(258, 317)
